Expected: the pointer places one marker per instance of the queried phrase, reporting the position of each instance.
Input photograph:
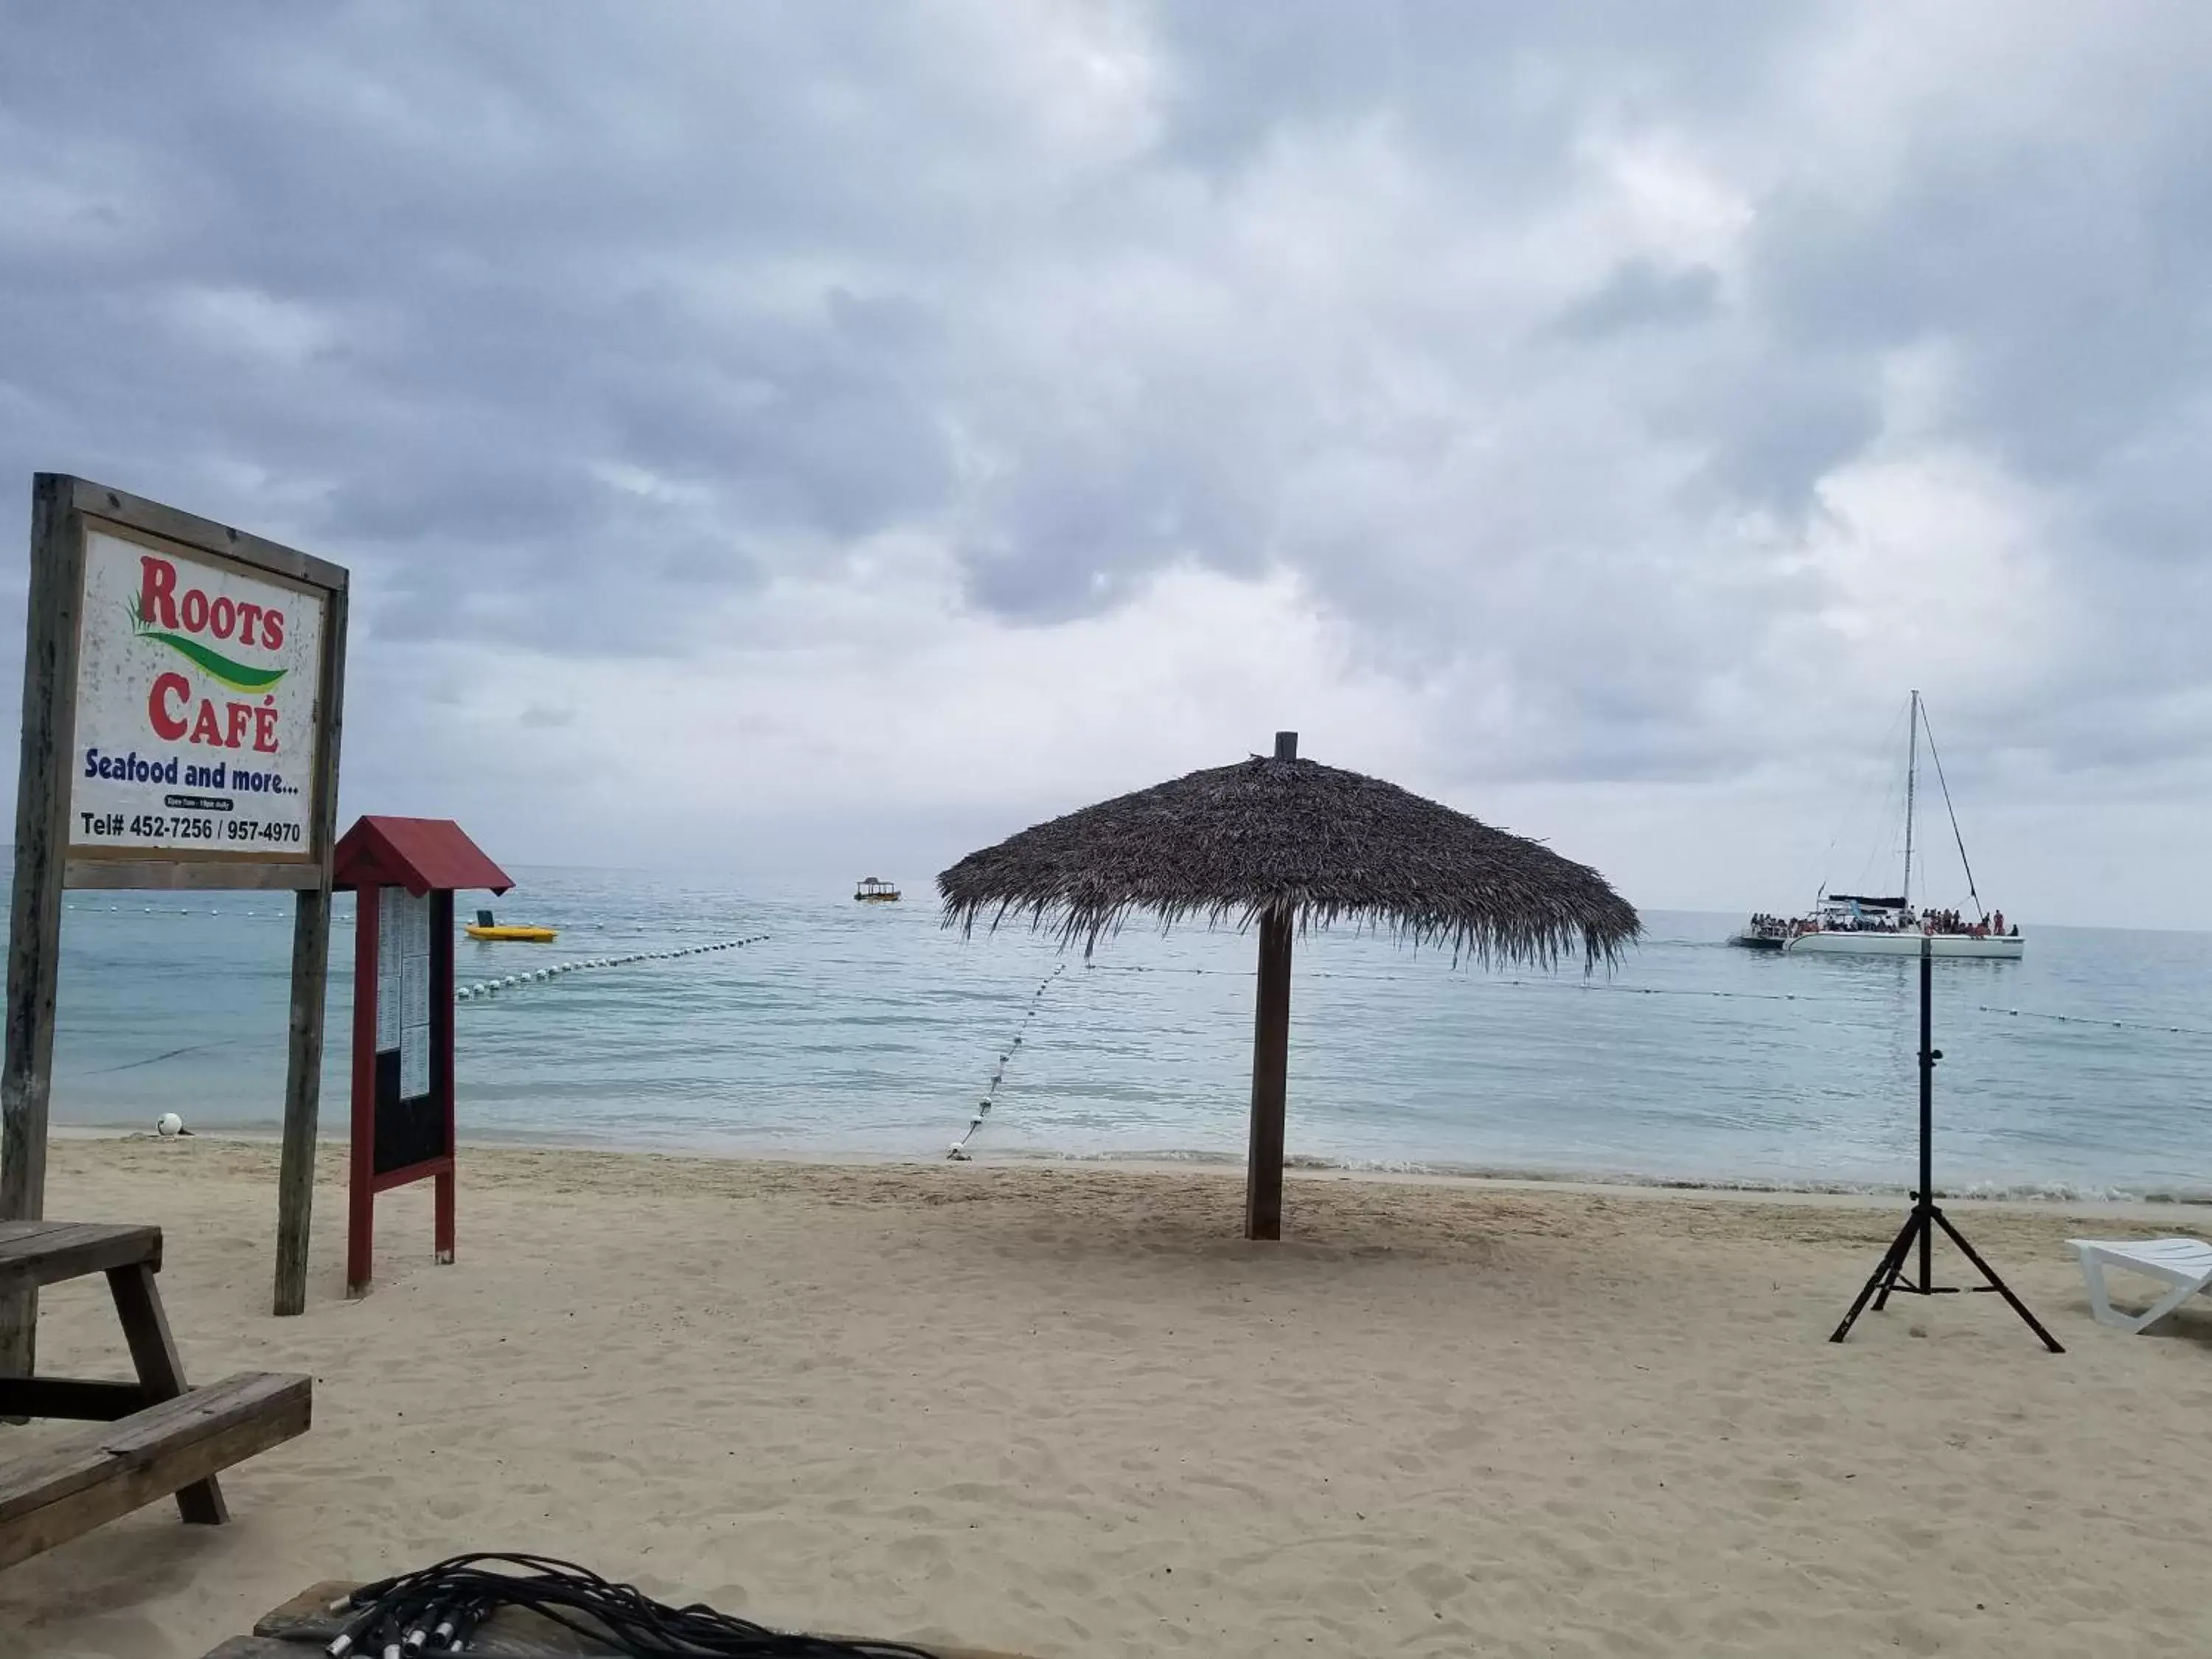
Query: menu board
(403, 987)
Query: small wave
(2044, 1192)
(1172, 1155)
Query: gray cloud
(1640, 294)
(1593, 373)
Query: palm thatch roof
(1234, 842)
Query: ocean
(2085, 1070)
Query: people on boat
(1836, 918)
(1847, 916)
(1992, 925)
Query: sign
(410, 1123)
(182, 688)
(197, 720)
(406, 873)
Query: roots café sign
(199, 719)
(182, 685)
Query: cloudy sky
(790, 439)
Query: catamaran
(1887, 924)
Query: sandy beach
(1065, 1411)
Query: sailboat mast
(1912, 773)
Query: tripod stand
(1889, 1274)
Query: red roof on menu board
(416, 854)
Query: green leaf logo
(238, 676)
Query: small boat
(1887, 924)
(872, 890)
(484, 927)
(1763, 932)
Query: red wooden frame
(363, 1183)
(420, 856)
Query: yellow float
(485, 928)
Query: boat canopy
(1897, 903)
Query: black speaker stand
(1889, 1274)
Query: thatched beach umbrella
(1288, 844)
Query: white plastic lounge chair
(2185, 1264)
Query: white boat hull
(1845, 944)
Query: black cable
(437, 1608)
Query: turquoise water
(851, 1030)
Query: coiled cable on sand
(438, 1609)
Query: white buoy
(168, 1126)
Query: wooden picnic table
(155, 1436)
(305, 1624)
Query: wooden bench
(305, 1624)
(156, 1437)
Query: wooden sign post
(183, 684)
(405, 872)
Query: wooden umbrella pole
(1270, 1062)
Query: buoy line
(278, 914)
(2092, 1019)
(959, 1152)
(536, 975)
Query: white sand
(1065, 1411)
